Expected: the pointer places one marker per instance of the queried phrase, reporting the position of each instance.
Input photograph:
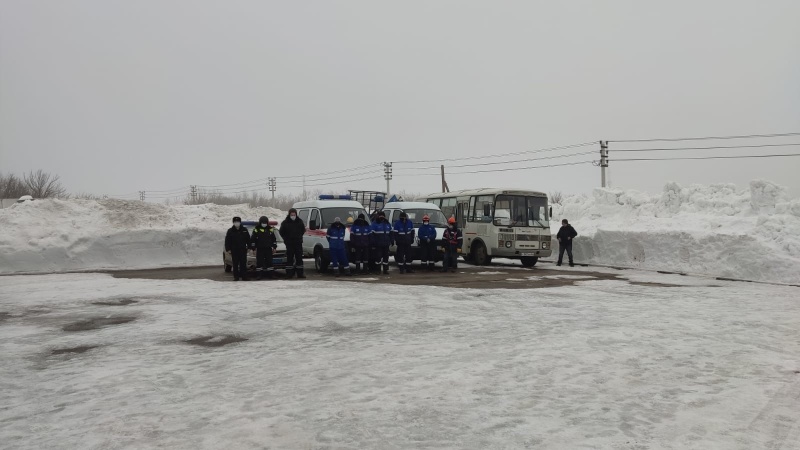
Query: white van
(317, 216)
(415, 212)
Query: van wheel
(320, 263)
(480, 256)
(529, 261)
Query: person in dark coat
(335, 236)
(452, 241)
(380, 240)
(292, 231)
(359, 241)
(237, 241)
(565, 236)
(403, 236)
(264, 242)
(427, 243)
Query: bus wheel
(480, 256)
(319, 261)
(529, 261)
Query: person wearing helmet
(359, 241)
(264, 242)
(292, 231)
(237, 240)
(335, 236)
(380, 240)
(403, 236)
(452, 241)
(427, 243)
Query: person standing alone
(292, 231)
(565, 236)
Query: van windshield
(416, 215)
(329, 214)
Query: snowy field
(91, 362)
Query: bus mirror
(551, 212)
(312, 225)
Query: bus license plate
(528, 254)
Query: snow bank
(61, 235)
(716, 230)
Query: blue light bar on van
(335, 197)
(377, 198)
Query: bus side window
(482, 208)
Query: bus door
(463, 211)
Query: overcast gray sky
(121, 96)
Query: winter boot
(300, 273)
(358, 267)
(346, 271)
(386, 268)
(409, 269)
(289, 273)
(402, 270)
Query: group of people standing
(369, 242)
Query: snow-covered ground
(601, 364)
(716, 230)
(70, 235)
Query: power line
(704, 138)
(505, 162)
(707, 157)
(499, 170)
(701, 148)
(541, 150)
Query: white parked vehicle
(503, 223)
(317, 216)
(416, 211)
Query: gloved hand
(458, 250)
(274, 247)
(442, 249)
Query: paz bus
(502, 223)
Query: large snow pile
(61, 235)
(715, 230)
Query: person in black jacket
(264, 242)
(565, 236)
(237, 240)
(292, 230)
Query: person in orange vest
(452, 242)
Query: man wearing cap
(359, 241)
(380, 240)
(335, 236)
(237, 240)
(264, 242)
(403, 236)
(292, 231)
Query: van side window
(303, 215)
(315, 218)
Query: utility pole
(304, 187)
(445, 187)
(387, 174)
(272, 186)
(141, 195)
(194, 194)
(603, 162)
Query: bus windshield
(521, 211)
(436, 216)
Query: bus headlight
(508, 244)
(545, 244)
